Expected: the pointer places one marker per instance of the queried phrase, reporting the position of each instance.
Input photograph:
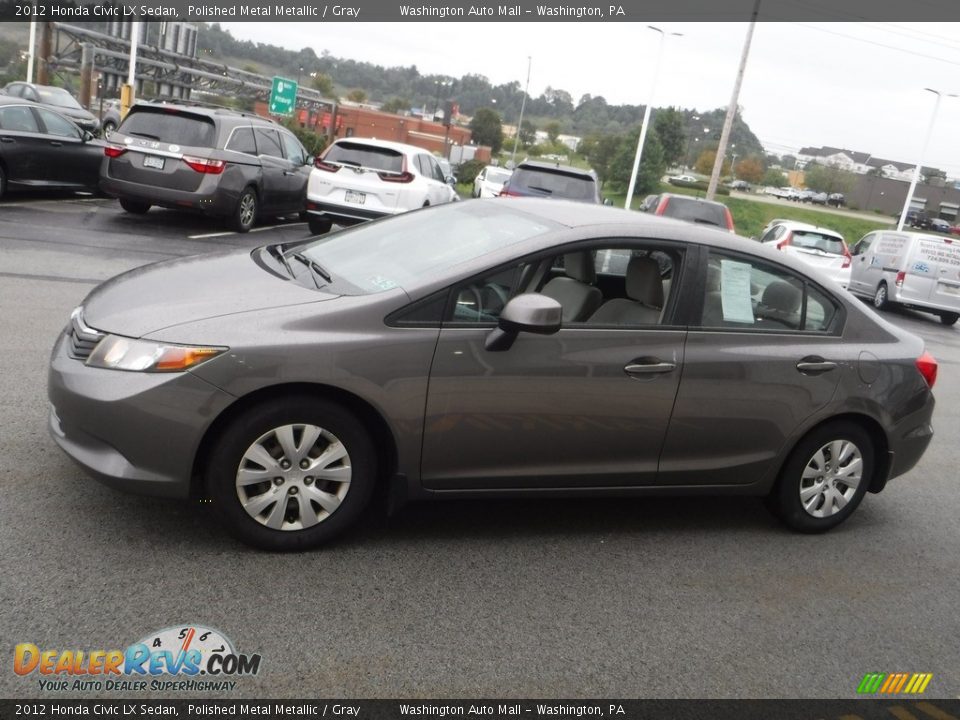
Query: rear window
(696, 211)
(169, 126)
(367, 156)
(554, 183)
(817, 241)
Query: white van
(918, 270)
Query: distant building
(862, 163)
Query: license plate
(353, 196)
(152, 161)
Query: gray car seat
(645, 292)
(575, 291)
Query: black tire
(108, 127)
(250, 428)
(135, 207)
(319, 224)
(949, 318)
(785, 498)
(881, 300)
(245, 214)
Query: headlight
(120, 353)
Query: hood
(75, 113)
(176, 292)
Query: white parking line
(233, 232)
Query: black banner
(459, 11)
(533, 709)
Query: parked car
(706, 365)
(940, 226)
(690, 209)
(818, 247)
(489, 181)
(819, 198)
(836, 199)
(40, 148)
(916, 270)
(215, 161)
(784, 193)
(110, 120)
(682, 179)
(447, 169)
(955, 230)
(54, 98)
(539, 179)
(358, 179)
(806, 195)
(742, 185)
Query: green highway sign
(283, 96)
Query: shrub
(467, 172)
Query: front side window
(58, 125)
(748, 294)
(293, 149)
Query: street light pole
(923, 153)
(523, 105)
(646, 116)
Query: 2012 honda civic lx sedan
(537, 347)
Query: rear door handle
(56, 143)
(649, 366)
(7, 140)
(815, 365)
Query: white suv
(816, 246)
(358, 179)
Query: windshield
(554, 183)
(168, 125)
(362, 155)
(58, 97)
(817, 241)
(693, 210)
(498, 176)
(380, 256)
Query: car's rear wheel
(245, 214)
(949, 318)
(880, 299)
(824, 478)
(108, 127)
(318, 224)
(134, 207)
(291, 474)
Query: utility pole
(523, 104)
(732, 109)
(33, 49)
(128, 92)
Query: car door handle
(649, 366)
(7, 140)
(56, 143)
(815, 365)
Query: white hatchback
(818, 247)
(489, 181)
(358, 179)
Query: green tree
(323, 84)
(394, 105)
(553, 130)
(357, 96)
(828, 179)
(487, 129)
(774, 178)
(599, 150)
(528, 133)
(669, 126)
(652, 164)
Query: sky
(856, 85)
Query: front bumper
(137, 432)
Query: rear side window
(169, 126)
(554, 183)
(18, 118)
(242, 141)
(695, 211)
(817, 241)
(368, 156)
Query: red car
(691, 209)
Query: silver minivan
(917, 270)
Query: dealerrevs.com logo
(189, 657)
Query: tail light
(319, 164)
(204, 165)
(847, 257)
(403, 177)
(662, 207)
(112, 151)
(729, 219)
(505, 191)
(927, 366)
(900, 276)
(786, 241)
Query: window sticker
(735, 291)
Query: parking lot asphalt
(665, 597)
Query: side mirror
(451, 181)
(310, 159)
(530, 312)
(607, 201)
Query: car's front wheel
(291, 474)
(319, 224)
(135, 207)
(824, 478)
(949, 318)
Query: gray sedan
(531, 347)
